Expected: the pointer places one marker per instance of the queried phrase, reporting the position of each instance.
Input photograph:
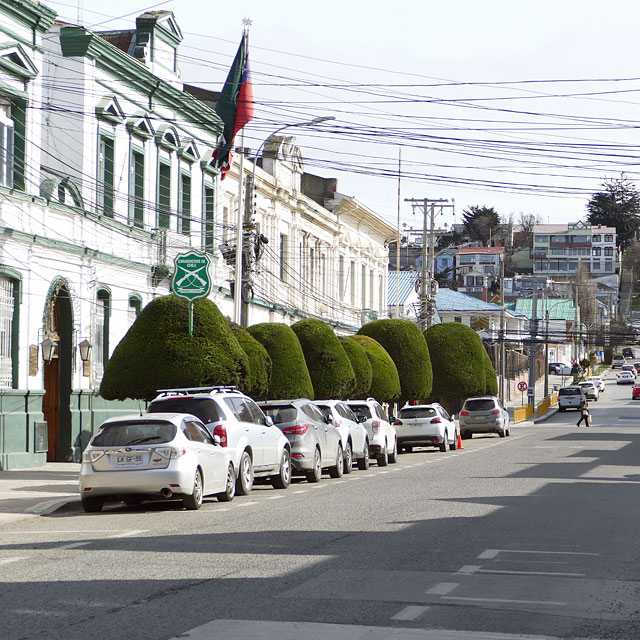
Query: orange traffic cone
(459, 443)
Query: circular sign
(522, 385)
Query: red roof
(483, 250)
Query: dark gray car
(315, 443)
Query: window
(207, 206)
(371, 282)
(559, 238)
(184, 224)
(164, 195)
(353, 283)
(341, 283)
(596, 251)
(608, 265)
(608, 237)
(363, 292)
(466, 259)
(541, 239)
(595, 265)
(323, 274)
(8, 308)
(135, 306)
(136, 189)
(284, 247)
(560, 252)
(470, 281)
(105, 176)
(457, 319)
(596, 238)
(101, 332)
(6, 146)
(608, 251)
(479, 281)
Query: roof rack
(188, 390)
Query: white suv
(355, 439)
(257, 447)
(425, 425)
(382, 434)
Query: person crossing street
(585, 415)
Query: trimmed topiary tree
(361, 367)
(329, 366)
(404, 342)
(458, 361)
(289, 375)
(256, 383)
(158, 353)
(491, 378)
(385, 382)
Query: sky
(524, 107)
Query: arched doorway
(56, 404)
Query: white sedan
(625, 377)
(598, 381)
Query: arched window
(9, 322)
(135, 306)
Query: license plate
(129, 460)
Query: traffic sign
(522, 385)
(191, 279)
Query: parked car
(625, 377)
(485, 414)
(354, 436)
(628, 352)
(560, 368)
(637, 366)
(598, 381)
(591, 391)
(571, 397)
(257, 448)
(315, 441)
(382, 434)
(635, 392)
(160, 455)
(617, 361)
(425, 425)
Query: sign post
(191, 279)
(522, 387)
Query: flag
(235, 106)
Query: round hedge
(491, 378)
(457, 358)
(404, 342)
(385, 382)
(329, 366)
(289, 375)
(361, 367)
(158, 353)
(256, 383)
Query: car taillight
(464, 413)
(298, 429)
(495, 412)
(375, 425)
(397, 422)
(176, 452)
(221, 432)
(435, 420)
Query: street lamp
(48, 347)
(240, 307)
(85, 350)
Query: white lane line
(338, 482)
(8, 560)
(300, 491)
(442, 588)
(74, 545)
(129, 534)
(488, 554)
(275, 497)
(492, 553)
(533, 573)
(247, 504)
(469, 568)
(538, 602)
(409, 613)
(320, 486)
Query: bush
(158, 353)
(329, 366)
(458, 361)
(491, 378)
(385, 382)
(404, 342)
(361, 367)
(256, 383)
(289, 375)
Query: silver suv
(484, 414)
(257, 447)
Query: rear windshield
(281, 413)
(569, 392)
(204, 408)
(362, 411)
(418, 412)
(480, 405)
(125, 434)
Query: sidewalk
(39, 491)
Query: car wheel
(348, 459)
(393, 456)
(92, 505)
(194, 501)
(338, 470)
(244, 481)
(230, 486)
(315, 474)
(444, 446)
(502, 433)
(454, 444)
(363, 463)
(283, 479)
(383, 458)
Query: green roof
(559, 308)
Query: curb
(546, 416)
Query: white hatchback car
(598, 381)
(160, 455)
(382, 434)
(425, 425)
(355, 439)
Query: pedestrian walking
(585, 415)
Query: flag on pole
(235, 106)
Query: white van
(617, 361)
(571, 398)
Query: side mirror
(217, 440)
(328, 419)
(453, 417)
(268, 420)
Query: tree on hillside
(617, 205)
(481, 223)
(526, 222)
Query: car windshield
(126, 434)
(569, 392)
(280, 413)
(362, 411)
(326, 410)
(204, 408)
(487, 404)
(417, 412)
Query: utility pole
(427, 301)
(533, 328)
(502, 332)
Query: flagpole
(237, 291)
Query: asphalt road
(529, 536)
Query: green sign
(191, 279)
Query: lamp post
(241, 306)
(48, 347)
(85, 350)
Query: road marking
(543, 602)
(442, 588)
(274, 497)
(533, 573)
(320, 486)
(409, 613)
(469, 568)
(74, 545)
(45, 507)
(492, 553)
(8, 560)
(247, 504)
(129, 534)
(300, 491)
